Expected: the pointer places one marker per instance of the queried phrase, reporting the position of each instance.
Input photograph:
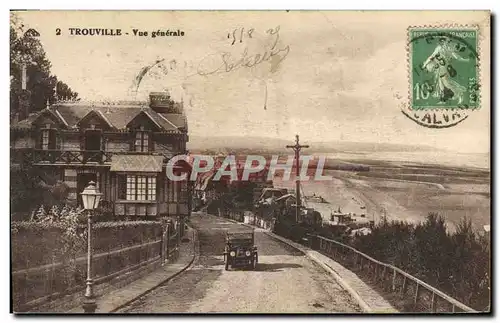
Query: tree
(27, 50)
(31, 187)
(64, 92)
(470, 270)
(434, 251)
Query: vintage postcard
(250, 162)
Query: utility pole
(296, 148)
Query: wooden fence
(408, 291)
(34, 286)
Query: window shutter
(52, 139)
(58, 140)
(151, 146)
(122, 187)
(40, 139)
(82, 140)
(132, 135)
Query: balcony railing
(39, 156)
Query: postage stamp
(443, 75)
(444, 68)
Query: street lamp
(90, 198)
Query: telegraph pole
(296, 148)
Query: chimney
(23, 77)
(161, 102)
(24, 96)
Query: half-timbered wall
(114, 145)
(163, 148)
(25, 141)
(68, 143)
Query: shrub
(59, 234)
(458, 263)
(56, 235)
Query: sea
(453, 159)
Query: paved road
(285, 281)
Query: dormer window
(142, 140)
(48, 139)
(45, 139)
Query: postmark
(444, 74)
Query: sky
(339, 76)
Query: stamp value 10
(444, 65)
(443, 72)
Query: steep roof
(178, 120)
(26, 123)
(118, 116)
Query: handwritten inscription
(224, 62)
(242, 34)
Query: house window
(137, 188)
(48, 139)
(142, 141)
(183, 192)
(45, 139)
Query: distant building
(123, 148)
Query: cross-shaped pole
(296, 148)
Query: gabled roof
(149, 116)
(25, 123)
(97, 113)
(32, 118)
(117, 116)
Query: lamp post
(90, 198)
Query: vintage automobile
(240, 250)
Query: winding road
(285, 281)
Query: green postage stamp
(444, 68)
